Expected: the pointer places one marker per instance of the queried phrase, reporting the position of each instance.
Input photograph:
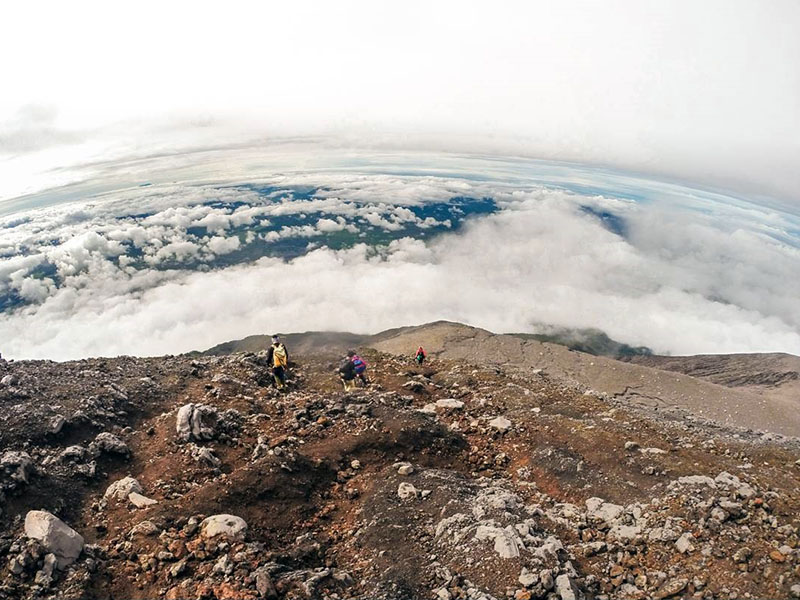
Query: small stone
(443, 594)
(44, 576)
(145, 528)
(110, 444)
(229, 526)
(57, 424)
(140, 501)
(631, 445)
(718, 514)
(566, 588)
(684, 543)
(355, 464)
(404, 468)
(671, 588)
(777, 556)
(264, 585)
(122, 488)
(795, 591)
(501, 424)
(178, 568)
(406, 491)
(742, 555)
(528, 578)
(449, 404)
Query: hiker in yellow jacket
(278, 357)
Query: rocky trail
(191, 477)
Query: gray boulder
(54, 535)
(108, 443)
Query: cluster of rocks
(46, 549)
(203, 422)
(211, 557)
(423, 484)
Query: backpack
(359, 364)
(279, 356)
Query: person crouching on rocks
(278, 356)
(347, 373)
(360, 366)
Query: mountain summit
(502, 466)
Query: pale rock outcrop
(121, 489)
(229, 526)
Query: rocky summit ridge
(503, 467)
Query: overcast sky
(706, 92)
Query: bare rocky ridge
(729, 399)
(190, 477)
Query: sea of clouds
(687, 273)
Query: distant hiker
(347, 373)
(278, 357)
(420, 355)
(360, 366)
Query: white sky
(706, 91)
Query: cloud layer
(166, 269)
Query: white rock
(443, 594)
(406, 491)
(624, 533)
(565, 588)
(44, 576)
(500, 424)
(604, 512)
(196, 422)
(145, 528)
(228, 526)
(54, 535)
(506, 540)
(449, 403)
(140, 501)
(9, 380)
(121, 489)
(527, 578)
(652, 451)
(404, 468)
(57, 424)
(684, 543)
(205, 456)
(795, 590)
(183, 425)
(697, 480)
